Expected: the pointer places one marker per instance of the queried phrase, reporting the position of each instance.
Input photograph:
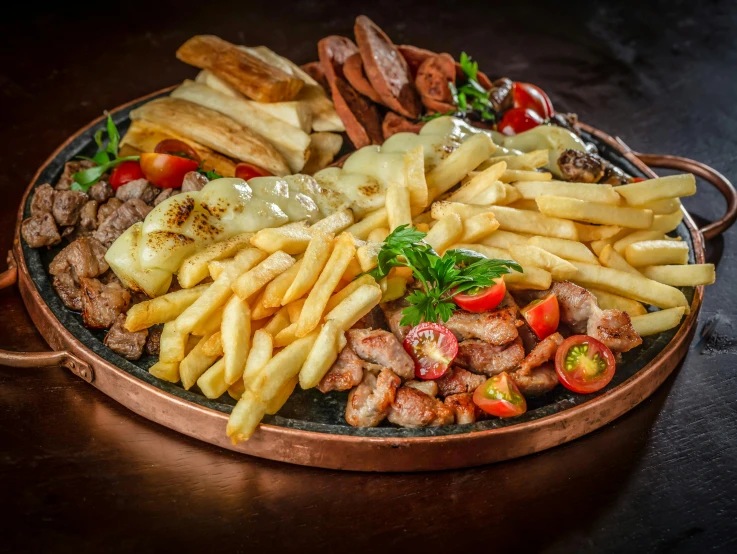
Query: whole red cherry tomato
(176, 147)
(125, 173)
(499, 396)
(166, 171)
(527, 95)
(584, 364)
(433, 347)
(543, 315)
(484, 300)
(518, 120)
(248, 171)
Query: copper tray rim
(619, 400)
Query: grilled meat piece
(194, 181)
(40, 230)
(107, 209)
(84, 257)
(102, 304)
(543, 352)
(115, 225)
(381, 347)
(70, 168)
(356, 76)
(138, 188)
(575, 303)
(501, 96)
(43, 200)
(395, 123)
(498, 327)
(393, 314)
(538, 381)
(432, 80)
(369, 403)
(88, 216)
(463, 408)
(101, 191)
(414, 408)
(164, 195)
(153, 341)
(345, 373)
(585, 167)
(614, 176)
(614, 329)
(430, 388)
(68, 290)
(568, 121)
(485, 358)
(67, 206)
(127, 344)
(457, 381)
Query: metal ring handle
(707, 173)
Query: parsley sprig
(441, 278)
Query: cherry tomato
(125, 173)
(433, 347)
(518, 120)
(175, 147)
(584, 364)
(499, 396)
(166, 171)
(530, 96)
(637, 179)
(249, 171)
(484, 300)
(543, 315)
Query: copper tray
(309, 430)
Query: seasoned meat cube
(538, 381)
(575, 303)
(413, 408)
(138, 188)
(70, 168)
(88, 216)
(68, 290)
(43, 200)
(543, 352)
(430, 388)
(115, 225)
(345, 373)
(129, 345)
(40, 230)
(153, 341)
(581, 167)
(382, 348)
(457, 380)
(107, 209)
(101, 304)
(163, 195)
(463, 408)
(67, 206)
(498, 327)
(370, 402)
(614, 329)
(482, 357)
(84, 257)
(393, 315)
(194, 181)
(101, 191)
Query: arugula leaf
(84, 179)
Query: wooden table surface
(79, 473)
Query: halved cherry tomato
(247, 171)
(125, 173)
(499, 396)
(166, 171)
(518, 120)
(433, 347)
(175, 147)
(543, 315)
(530, 96)
(584, 364)
(484, 300)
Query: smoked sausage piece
(394, 123)
(354, 74)
(432, 80)
(359, 115)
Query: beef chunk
(101, 304)
(43, 200)
(40, 230)
(68, 291)
(131, 212)
(414, 408)
(88, 216)
(101, 191)
(84, 257)
(164, 195)
(129, 345)
(194, 181)
(67, 206)
(140, 188)
(70, 168)
(153, 342)
(107, 209)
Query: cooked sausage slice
(414, 56)
(354, 74)
(386, 69)
(394, 123)
(432, 80)
(333, 52)
(314, 70)
(359, 115)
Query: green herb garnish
(211, 174)
(441, 278)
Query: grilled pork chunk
(463, 407)
(613, 328)
(457, 380)
(414, 408)
(369, 403)
(498, 327)
(482, 357)
(538, 381)
(346, 372)
(381, 347)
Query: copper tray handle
(40, 359)
(708, 174)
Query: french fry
(504, 239)
(284, 366)
(292, 238)
(373, 220)
(173, 343)
(424, 227)
(195, 364)
(590, 192)
(262, 349)
(245, 417)
(275, 291)
(194, 268)
(355, 306)
(690, 275)
(334, 223)
(521, 221)
(663, 206)
(566, 249)
(448, 230)
(167, 371)
(589, 212)
(255, 278)
(481, 183)
(367, 255)
(414, 176)
(236, 390)
(378, 235)
(609, 301)
(515, 175)
(533, 278)
(161, 309)
(398, 209)
(322, 151)
(458, 164)
(212, 382)
(523, 204)
(610, 258)
(347, 290)
(279, 321)
(236, 338)
(528, 255)
(620, 245)
(209, 325)
(657, 322)
(352, 271)
(216, 267)
(656, 189)
(281, 397)
(286, 336)
(478, 227)
(330, 341)
(488, 251)
(213, 345)
(294, 309)
(442, 208)
(657, 252)
(260, 312)
(511, 195)
(393, 288)
(628, 285)
(589, 233)
(316, 256)
(342, 254)
(528, 161)
(667, 223)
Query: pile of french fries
(280, 300)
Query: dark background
(80, 473)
